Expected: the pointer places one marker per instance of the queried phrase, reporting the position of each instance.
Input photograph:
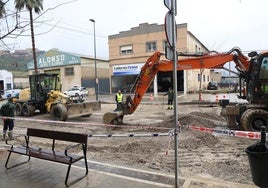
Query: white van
(12, 92)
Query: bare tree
(8, 20)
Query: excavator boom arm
(208, 61)
(143, 82)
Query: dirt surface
(199, 154)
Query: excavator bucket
(114, 118)
(83, 109)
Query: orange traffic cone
(217, 98)
(200, 97)
(151, 97)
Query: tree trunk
(33, 42)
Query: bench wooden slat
(19, 150)
(57, 135)
(54, 156)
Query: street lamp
(96, 77)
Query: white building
(6, 80)
(7, 84)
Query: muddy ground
(199, 154)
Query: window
(124, 50)
(9, 86)
(199, 77)
(151, 46)
(263, 83)
(204, 78)
(264, 68)
(164, 45)
(197, 49)
(69, 71)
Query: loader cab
(41, 84)
(257, 85)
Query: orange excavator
(253, 70)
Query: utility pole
(95, 62)
(171, 54)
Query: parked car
(228, 83)
(212, 86)
(12, 92)
(76, 91)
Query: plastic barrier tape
(235, 133)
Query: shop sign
(127, 69)
(54, 59)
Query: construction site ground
(140, 153)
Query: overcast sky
(218, 24)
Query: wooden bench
(65, 157)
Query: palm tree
(37, 6)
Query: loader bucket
(114, 118)
(83, 109)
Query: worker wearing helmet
(118, 100)
(8, 110)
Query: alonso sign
(54, 58)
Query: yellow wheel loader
(44, 96)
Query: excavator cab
(41, 85)
(257, 83)
(254, 115)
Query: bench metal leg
(18, 164)
(85, 157)
(76, 180)
(67, 175)
(86, 166)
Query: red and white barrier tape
(235, 133)
(130, 135)
(216, 131)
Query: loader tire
(27, 110)
(59, 112)
(254, 119)
(18, 109)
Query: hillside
(16, 61)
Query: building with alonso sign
(73, 69)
